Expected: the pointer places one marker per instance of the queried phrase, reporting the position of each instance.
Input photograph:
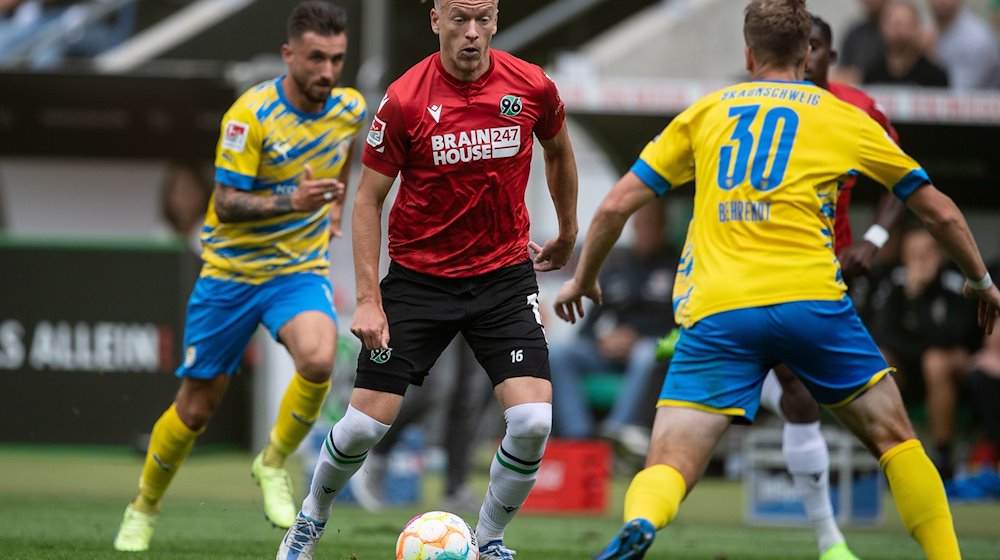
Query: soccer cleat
(135, 532)
(665, 346)
(838, 551)
(631, 542)
(301, 538)
(276, 486)
(495, 550)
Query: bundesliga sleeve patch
(235, 136)
(377, 133)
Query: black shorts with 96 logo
(496, 312)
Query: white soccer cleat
(495, 550)
(301, 539)
(276, 486)
(135, 531)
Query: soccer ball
(437, 535)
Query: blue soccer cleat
(631, 542)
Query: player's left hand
(553, 256)
(989, 305)
(569, 300)
(856, 260)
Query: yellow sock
(655, 494)
(297, 413)
(169, 445)
(920, 498)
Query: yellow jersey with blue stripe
(264, 146)
(767, 159)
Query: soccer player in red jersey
(805, 450)
(457, 128)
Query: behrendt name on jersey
(475, 145)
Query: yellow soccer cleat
(276, 486)
(838, 551)
(135, 532)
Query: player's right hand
(569, 300)
(371, 326)
(856, 260)
(313, 194)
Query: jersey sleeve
(667, 161)
(553, 112)
(884, 161)
(237, 155)
(388, 142)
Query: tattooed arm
(234, 205)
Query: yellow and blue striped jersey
(263, 148)
(768, 159)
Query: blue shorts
(222, 316)
(719, 364)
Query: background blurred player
(802, 444)
(759, 283)
(265, 261)
(458, 129)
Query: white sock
(808, 460)
(514, 467)
(770, 394)
(344, 451)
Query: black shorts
(496, 312)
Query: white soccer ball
(437, 535)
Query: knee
(889, 434)
(529, 421)
(197, 400)
(357, 432)
(194, 413)
(316, 364)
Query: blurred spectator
(965, 46)
(985, 388)
(928, 330)
(904, 62)
(41, 33)
(863, 46)
(183, 202)
(995, 5)
(619, 336)
(3, 211)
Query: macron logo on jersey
(435, 111)
(475, 145)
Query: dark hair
(777, 31)
(824, 29)
(317, 16)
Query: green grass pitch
(67, 504)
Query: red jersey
(841, 224)
(463, 151)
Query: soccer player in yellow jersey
(281, 164)
(758, 283)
